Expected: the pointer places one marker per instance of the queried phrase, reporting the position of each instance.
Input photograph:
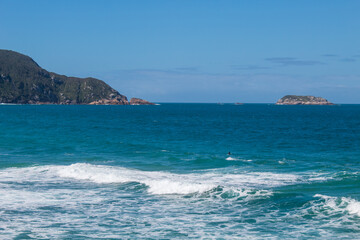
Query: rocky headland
(23, 81)
(138, 101)
(302, 100)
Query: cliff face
(23, 81)
(302, 100)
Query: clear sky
(195, 51)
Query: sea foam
(157, 182)
(170, 183)
(87, 197)
(341, 204)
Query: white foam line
(158, 182)
(170, 183)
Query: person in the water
(229, 153)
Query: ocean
(164, 172)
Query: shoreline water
(163, 172)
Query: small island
(302, 100)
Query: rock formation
(302, 100)
(138, 101)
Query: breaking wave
(343, 205)
(170, 183)
(232, 184)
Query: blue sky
(195, 51)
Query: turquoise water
(115, 172)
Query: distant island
(23, 81)
(302, 100)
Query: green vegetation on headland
(23, 81)
(302, 100)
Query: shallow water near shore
(118, 172)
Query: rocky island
(23, 81)
(302, 100)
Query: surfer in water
(229, 153)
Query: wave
(170, 183)
(340, 204)
(156, 182)
(237, 159)
(89, 196)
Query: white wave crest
(156, 181)
(238, 159)
(170, 183)
(343, 204)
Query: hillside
(23, 81)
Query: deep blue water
(115, 172)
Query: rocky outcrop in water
(302, 100)
(23, 81)
(113, 100)
(138, 101)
